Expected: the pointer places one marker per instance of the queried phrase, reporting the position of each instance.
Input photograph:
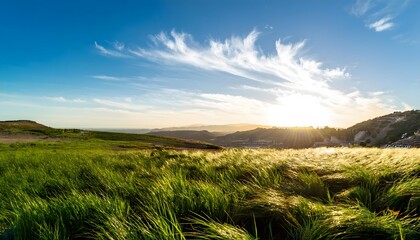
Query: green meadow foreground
(67, 191)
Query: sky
(152, 63)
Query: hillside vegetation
(204, 135)
(374, 132)
(22, 126)
(385, 129)
(19, 130)
(52, 192)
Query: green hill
(159, 141)
(25, 131)
(273, 137)
(23, 126)
(260, 137)
(379, 131)
(385, 129)
(374, 132)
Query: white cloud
(183, 99)
(174, 107)
(131, 78)
(108, 78)
(119, 45)
(210, 108)
(78, 100)
(232, 104)
(361, 7)
(382, 24)
(109, 52)
(405, 39)
(287, 74)
(57, 99)
(123, 105)
(65, 100)
(296, 85)
(379, 13)
(269, 27)
(241, 57)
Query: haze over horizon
(155, 64)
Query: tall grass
(231, 194)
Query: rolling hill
(219, 129)
(27, 131)
(387, 129)
(395, 129)
(272, 137)
(22, 126)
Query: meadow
(88, 191)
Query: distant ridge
(395, 129)
(26, 130)
(226, 128)
(218, 129)
(380, 131)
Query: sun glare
(299, 111)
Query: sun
(299, 111)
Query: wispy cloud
(217, 102)
(361, 7)
(109, 52)
(288, 71)
(65, 100)
(238, 56)
(119, 45)
(125, 104)
(292, 79)
(379, 15)
(269, 27)
(241, 57)
(108, 78)
(174, 107)
(207, 108)
(405, 39)
(131, 78)
(185, 107)
(382, 24)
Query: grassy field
(73, 190)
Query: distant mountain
(259, 137)
(217, 129)
(395, 129)
(273, 137)
(388, 129)
(227, 128)
(122, 130)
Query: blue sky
(144, 64)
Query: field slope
(93, 193)
(28, 131)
